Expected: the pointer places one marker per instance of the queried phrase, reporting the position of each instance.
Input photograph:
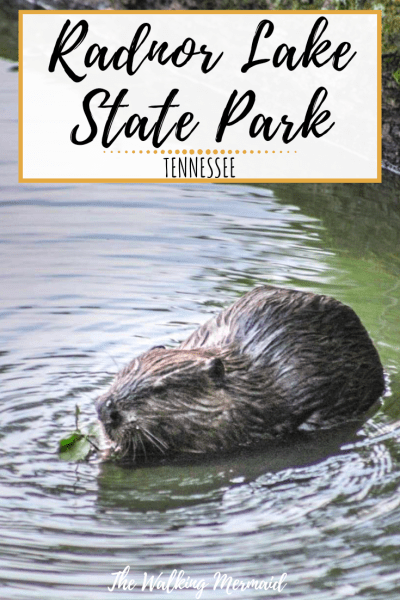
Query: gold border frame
(378, 13)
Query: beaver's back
(313, 348)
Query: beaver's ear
(216, 370)
(159, 386)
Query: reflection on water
(93, 274)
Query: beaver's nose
(108, 411)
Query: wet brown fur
(274, 361)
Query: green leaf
(75, 448)
(78, 445)
(67, 443)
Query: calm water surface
(91, 275)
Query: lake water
(90, 276)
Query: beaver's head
(164, 401)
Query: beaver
(276, 361)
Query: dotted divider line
(200, 151)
